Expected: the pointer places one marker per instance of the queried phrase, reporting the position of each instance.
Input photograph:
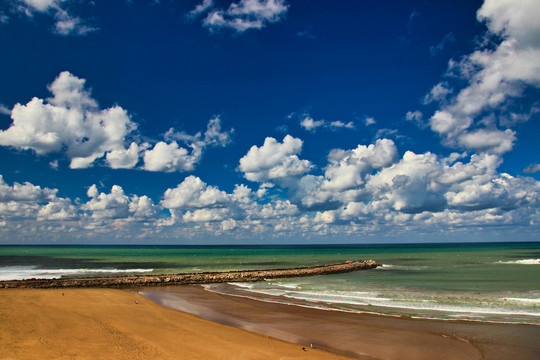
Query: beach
(362, 336)
(117, 324)
(122, 324)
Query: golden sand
(116, 324)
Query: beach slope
(116, 324)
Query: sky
(269, 121)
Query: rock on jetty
(190, 278)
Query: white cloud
(409, 186)
(171, 157)
(168, 158)
(499, 191)
(65, 22)
(495, 141)
(60, 209)
(369, 120)
(70, 119)
(241, 16)
(514, 19)
(309, 124)
(25, 192)
(278, 209)
(193, 193)
(117, 205)
(124, 158)
(416, 117)
(33, 202)
(200, 8)
(340, 124)
(532, 169)
(205, 215)
(274, 160)
(495, 74)
(142, 208)
(348, 169)
(438, 93)
(107, 206)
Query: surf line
(190, 278)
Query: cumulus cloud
(274, 160)
(369, 184)
(168, 157)
(193, 201)
(240, 16)
(65, 23)
(124, 158)
(25, 192)
(193, 193)
(493, 140)
(496, 73)
(348, 169)
(32, 201)
(360, 190)
(70, 119)
(59, 209)
(171, 156)
(71, 122)
(117, 205)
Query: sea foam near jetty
(30, 272)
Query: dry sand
(116, 324)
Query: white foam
(29, 272)
(286, 285)
(401, 267)
(521, 262)
(463, 305)
(524, 300)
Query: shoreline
(362, 336)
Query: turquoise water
(485, 282)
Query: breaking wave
(29, 272)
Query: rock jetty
(190, 278)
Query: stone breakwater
(190, 278)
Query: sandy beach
(121, 324)
(116, 324)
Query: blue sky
(269, 121)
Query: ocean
(489, 282)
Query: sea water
(497, 282)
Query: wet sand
(360, 336)
(117, 324)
